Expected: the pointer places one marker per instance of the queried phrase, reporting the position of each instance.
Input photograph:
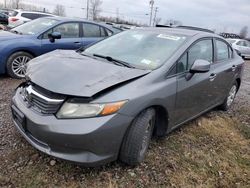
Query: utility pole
(156, 10)
(151, 3)
(5, 6)
(117, 15)
(87, 9)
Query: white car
(241, 46)
(19, 17)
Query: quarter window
(182, 64)
(222, 50)
(201, 50)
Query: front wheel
(17, 64)
(137, 138)
(230, 97)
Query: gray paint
(96, 140)
(70, 73)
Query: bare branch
(59, 10)
(95, 8)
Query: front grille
(37, 99)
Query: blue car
(19, 45)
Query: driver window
(68, 30)
(201, 50)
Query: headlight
(81, 110)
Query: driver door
(70, 40)
(196, 93)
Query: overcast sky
(222, 15)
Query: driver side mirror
(53, 36)
(200, 66)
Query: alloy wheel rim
(19, 65)
(231, 95)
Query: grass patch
(212, 151)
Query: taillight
(14, 19)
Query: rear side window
(31, 16)
(247, 44)
(222, 50)
(92, 30)
(13, 13)
(201, 50)
(240, 43)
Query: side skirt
(192, 118)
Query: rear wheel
(230, 97)
(137, 138)
(17, 64)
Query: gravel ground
(199, 154)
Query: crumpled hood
(67, 72)
(4, 35)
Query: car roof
(59, 18)
(236, 40)
(179, 31)
(67, 19)
(37, 12)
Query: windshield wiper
(115, 61)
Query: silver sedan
(241, 46)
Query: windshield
(140, 48)
(35, 26)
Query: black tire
(226, 104)
(137, 138)
(10, 63)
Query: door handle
(234, 68)
(77, 42)
(212, 77)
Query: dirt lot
(212, 151)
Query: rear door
(71, 38)
(93, 33)
(224, 68)
(194, 94)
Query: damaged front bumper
(90, 141)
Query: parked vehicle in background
(19, 17)
(4, 19)
(6, 11)
(21, 44)
(106, 103)
(241, 46)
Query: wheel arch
(238, 80)
(23, 50)
(15, 51)
(161, 119)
